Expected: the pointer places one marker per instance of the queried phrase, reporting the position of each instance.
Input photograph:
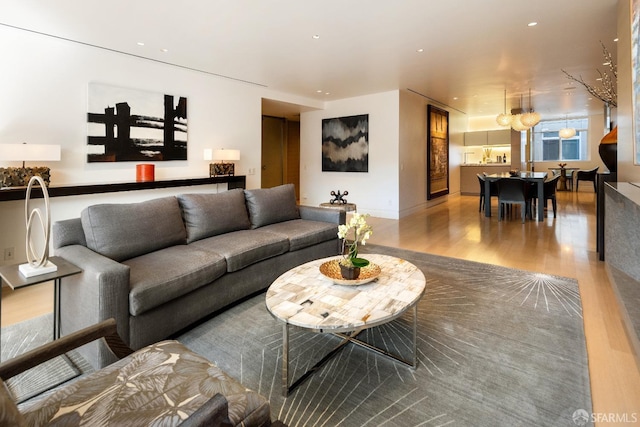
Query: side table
(347, 207)
(10, 276)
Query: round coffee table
(305, 298)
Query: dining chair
(493, 188)
(570, 177)
(481, 182)
(513, 191)
(549, 190)
(589, 175)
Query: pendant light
(504, 119)
(531, 118)
(516, 119)
(567, 132)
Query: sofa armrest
(68, 232)
(100, 292)
(314, 213)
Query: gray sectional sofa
(158, 266)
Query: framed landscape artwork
(437, 152)
(134, 125)
(345, 144)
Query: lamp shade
(516, 123)
(567, 133)
(226, 154)
(504, 119)
(29, 152)
(530, 119)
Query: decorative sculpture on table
(338, 198)
(37, 264)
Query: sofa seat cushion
(169, 273)
(245, 247)
(210, 214)
(161, 384)
(127, 230)
(303, 233)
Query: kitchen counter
(488, 164)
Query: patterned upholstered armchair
(161, 384)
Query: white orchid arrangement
(361, 232)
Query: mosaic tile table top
(306, 298)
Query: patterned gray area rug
(496, 347)
(24, 336)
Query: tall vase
(608, 150)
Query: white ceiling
(473, 49)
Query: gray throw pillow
(127, 230)
(207, 215)
(271, 205)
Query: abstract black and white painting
(345, 144)
(134, 125)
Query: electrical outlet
(8, 254)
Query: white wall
(374, 192)
(44, 100)
(413, 153)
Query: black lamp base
(19, 177)
(220, 169)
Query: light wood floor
(563, 246)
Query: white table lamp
(219, 169)
(19, 177)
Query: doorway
(280, 152)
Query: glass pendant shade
(530, 119)
(504, 119)
(516, 123)
(567, 133)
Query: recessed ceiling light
(318, 91)
(316, 36)
(327, 93)
(615, 40)
(455, 98)
(140, 43)
(532, 24)
(420, 50)
(164, 50)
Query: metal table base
(351, 337)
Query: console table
(621, 246)
(19, 193)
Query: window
(548, 146)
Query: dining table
(562, 182)
(537, 177)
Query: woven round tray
(331, 269)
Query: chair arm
(214, 413)
(30, 359)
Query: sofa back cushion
(123, 231)
(207, 215)
(271, 205)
